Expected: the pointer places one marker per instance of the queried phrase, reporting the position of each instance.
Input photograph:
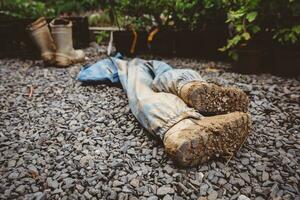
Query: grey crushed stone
(67, 140)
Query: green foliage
(24, 9)
(179, 14)
(47, 8)
(102, 36)
(72, 6)
(249, 17)
(100, 19)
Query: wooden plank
(106, 29)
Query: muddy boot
(40, 33)
(212, 99)
(62, 33)
(191, 142)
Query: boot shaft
(62, 33)
(40, 34)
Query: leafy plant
(193, 15)
(25, 9)
(249, 17)
(288, 35)
(242, 15)
(178, 14)
(100, 19)
(102, 36)
(71, 6)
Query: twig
(30, 91)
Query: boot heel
(62, 61)
(62, 34)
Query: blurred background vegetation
(245, 18)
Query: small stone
(20, 189)
(79, 187)
(167, 197)
(274, 190)
(126, 189)
(135, 183)
(133, 198)
(52, 184)
(11, 163)
(40, 196)
(265, 176)
(69, 182)
(203, 189)
(199, 176)
(245, 161)
(152, 198)
(240, 181)
(13, 175)
(212, 195)
(164, 190)
(34, 188)
(87, 195)
(245, 176)
(117, 183)
(113, 195)
(243, 197)
(168, 169)
(32, 169)
(222, 181)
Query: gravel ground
(62, 140)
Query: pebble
(246, 177)
(243, 197)
(135, 182)
(213, 195)
(20, 189)
(152, 198)
(164, 190)
(203, 189)
(265, 176)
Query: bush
(247, 18)
(280, 18)
(24, 9)
(47, 8)
(177, 14)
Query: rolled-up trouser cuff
(173, 80)
(172, 121)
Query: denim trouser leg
(156, 110)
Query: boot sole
(213, 99)
(63, 61)
(218, 136)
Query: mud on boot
(191, 142)
(212, 99)
(40, 34)
(66, 54)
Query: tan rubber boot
(191, 142)
(40, 33)
(212, 99)
(62, 33)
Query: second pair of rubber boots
(56, 48)
(193, 141)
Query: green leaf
(256, 29)
(246, 36)
(296, 29)
(251, 16)
(234, 55)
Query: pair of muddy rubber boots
(56, 48)
(193, 141)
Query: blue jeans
(152, 87)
